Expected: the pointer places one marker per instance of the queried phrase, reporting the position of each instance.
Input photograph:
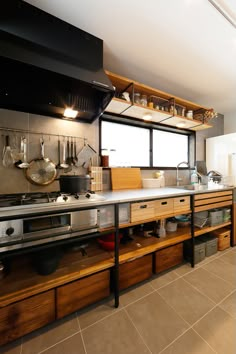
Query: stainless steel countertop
(111, 197)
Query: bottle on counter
(162, 179)
(194, 176)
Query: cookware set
(43, 171)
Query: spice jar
(143, 100)
(189, 114)
(137, 97)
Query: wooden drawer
(168, 257)
(142, 211)
(82, 292)
(207, 201)
(134, 271)
(164, 206)
(27, 315)
(181, 204)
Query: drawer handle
(163, 203)
(143, 206)
(182, 200)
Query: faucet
(177, 171)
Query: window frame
(109, 117)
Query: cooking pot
(215, 176)
(74, 183)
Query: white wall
(230, 122)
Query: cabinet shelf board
(154, 219)
(23, 281)
(141, 246)
(204, 230)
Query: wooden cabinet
(181, 204)
(169, 110)
(168, 257)
(134, 271)
(27, 315)
(83, 292)
(234, 225)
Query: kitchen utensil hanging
(41, 171)
(85, 155)
(7, 159)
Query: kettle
(215, 176)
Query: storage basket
(211, 244)
(199, 250)
(223, 236)
(215, 217)
(201, 219)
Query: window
(127, 145)
(169, 148)
(136, 145)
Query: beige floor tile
(209, 284)
(163, 279)
(11, 348)
(229, 304)
(72, 345)
(157, 322)
(189, 343)
(135, 293)
(49, 335)
(187, 301)
(96, 312)
(222, 269)
(114, 335)
(218, 328)
(229, 257)
(184, 269)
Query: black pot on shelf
(46, 261)
(74, 183)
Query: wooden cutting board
(125, 178)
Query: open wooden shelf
(23, 280)
(134, 110)
(141, 246)
(204, 230)
(166, 216)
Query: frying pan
(41, 171)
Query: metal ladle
(63, 164)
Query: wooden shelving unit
(135, 110)
(204, 230)
(23, 280)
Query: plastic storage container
(211, 244)
(199, 250)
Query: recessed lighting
(181, 124)
(147, 116)
(70, 113)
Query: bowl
(107, 242)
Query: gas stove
(31, 199)
(32, 219)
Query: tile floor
(182, 311)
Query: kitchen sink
(191, 187)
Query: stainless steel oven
(30, 231)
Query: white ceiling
(184, 47)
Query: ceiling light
(181, 124)
(70, 113)
(227, 9)
(147, 116)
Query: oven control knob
(10, 231)
(88, 195)
(65, 198)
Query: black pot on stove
(74, 183)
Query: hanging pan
(41, 171)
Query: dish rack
(200, 221)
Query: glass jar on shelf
(137, 98)
(143, 100)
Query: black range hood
(47, 65)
